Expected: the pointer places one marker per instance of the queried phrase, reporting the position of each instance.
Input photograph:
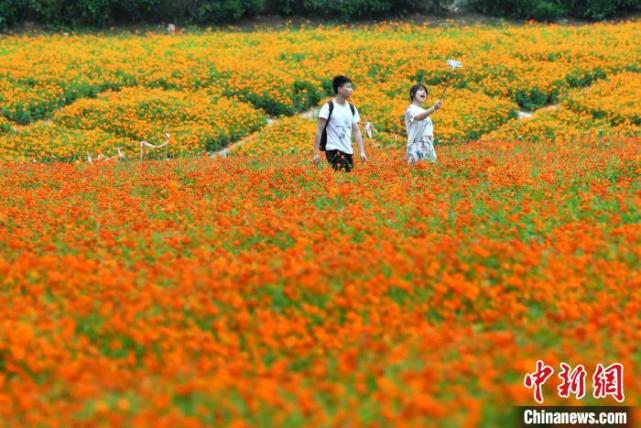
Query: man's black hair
(414, 89)
(339, 81)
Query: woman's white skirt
(420, 149)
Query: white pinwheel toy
(453, 64)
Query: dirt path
(309, 114)
(225, 152)
(526, 114)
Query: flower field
(252, 292)
(198, 120)
(209, 89)
(258, 290)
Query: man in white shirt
(337, 120)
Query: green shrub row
(550, 10)
(107, 12)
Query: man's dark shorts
(340, 160)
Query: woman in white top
(420, 131)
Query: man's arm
(359, 140)
(317, 138)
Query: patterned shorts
(339, 160)
(420, 149)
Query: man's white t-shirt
(339, 127)
(418, 129)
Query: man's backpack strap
(323, 142)
(331, 109)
